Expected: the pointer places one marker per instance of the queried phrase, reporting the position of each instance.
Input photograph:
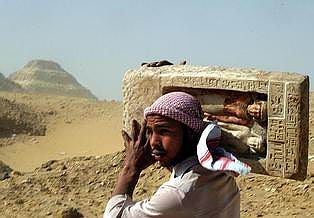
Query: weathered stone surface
(8, 85)
(287, 96)
(41, 76)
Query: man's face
(166, 139)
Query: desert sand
(73, 167)
(75, 127)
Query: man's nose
(155, 140)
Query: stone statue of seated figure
(242, 117)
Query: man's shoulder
(198, 177)
(189, 175)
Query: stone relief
(263, 115)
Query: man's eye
(163, 131)
(148, 132)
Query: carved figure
(242, 118)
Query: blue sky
(97, 41)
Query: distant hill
(8, 85)
(42, 76)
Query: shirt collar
(180, 168)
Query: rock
(5, 171)
(67, 121)
(267, 189)
(71, 213)
(19, 201)
(306, 186)
(16, 173)
(4, 176)
(51, 112)
(48, 164)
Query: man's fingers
(142, 135)
(135, 130)
(126, 138)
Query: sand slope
(75, 127)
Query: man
(176, 138)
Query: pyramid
(42, 76)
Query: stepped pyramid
(42, 76)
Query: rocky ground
(82, 185)
(85, 184)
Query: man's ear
(189, 133)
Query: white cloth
(216, 158)
(192, 191)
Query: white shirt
(192, 191)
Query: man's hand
(138, 157)
(138, 150)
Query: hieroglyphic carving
(275, 157)
(285, 129)
(276, 96)
(276, 130)
(292, 142)
(291, 145)
(293, 88)
(219, 83)
(275, 141)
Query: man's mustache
(158, 152)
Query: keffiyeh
(181, 107)
(216, 158)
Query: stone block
(286, 95)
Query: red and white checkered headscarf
(181, 107)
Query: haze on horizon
(97, 41)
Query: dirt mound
(18, 118)
(74, 127)
(41, 76)
(85, 183)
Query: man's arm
(138, 157)
(166, 202)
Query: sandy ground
(76, 127)
(80, 135)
